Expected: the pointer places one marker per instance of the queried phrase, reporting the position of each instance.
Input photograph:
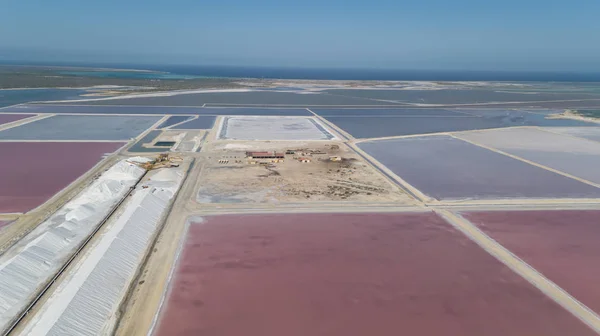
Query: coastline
(329, 74)
(150, 95)
(573, 115)
(62, 67)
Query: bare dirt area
(191, 141)
(4, 223)
(311, 172)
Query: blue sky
(426, 34)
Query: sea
(130, 74)
(187, 72)
(178, 72)
(196, 71)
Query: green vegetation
(588, 113)
(53, 77)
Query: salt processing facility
(317, 210)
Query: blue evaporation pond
(446, 168)
(161, 110)
(201, 122)
(249, 111)
(374, 112)
(457, 96)
(84, 127)
(375, 127)
(509, 117)
(174, 120)
(575, 156)
(147, 139)
(590, 133)
(246, 98)
(95, 109)
(384, 126)
(20, 96)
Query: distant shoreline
(49, 88)
(88, 68)
(331, 74)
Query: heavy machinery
(162, 161)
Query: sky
(538, 35)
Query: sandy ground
(296, 182)
(4, 223)
(320, 180)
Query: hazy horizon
(117, 64)
(381, 34)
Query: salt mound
(79, 213)
(139, 159)
(85, 303)
(123, 170)
(31, 262)
(167, 175)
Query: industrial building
(265, 155)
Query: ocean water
(550, 84)
(13, 97)
(366, 74)
(165, 71)
(129, 74)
